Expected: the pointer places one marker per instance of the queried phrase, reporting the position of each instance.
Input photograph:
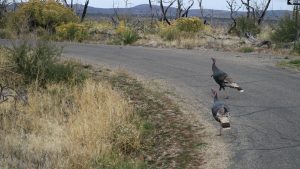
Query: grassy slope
(111, 121)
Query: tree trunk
(201, 8)
(248, 9)
(84, 10)
(164, 11)
(179, 9)
(261, 18)
(186, 12)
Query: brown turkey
(223, 79)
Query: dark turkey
(220, 111)
(223, 79)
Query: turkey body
(223, 79)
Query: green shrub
(297, 47)
(129, 36)
(72, 31)
(191, 24)
(116, 161)
(40, 64)
(246, 25)
(295, 62)
(125, 34)
(46, 14)
(286, 31)
(6, 34)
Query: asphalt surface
(265, 118)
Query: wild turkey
(223, 79)
(220, 111)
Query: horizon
(207, 4)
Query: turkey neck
(216, 98)
(214, 67)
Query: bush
(192, 24)
(46, 14)
(40, 64)
(295, 62)
(286, 31)
(297, 47)
(246, 25)
(72, 31)
(246, 49)
(6, 34)
(125, 34)
(169, 33)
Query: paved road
(266, 117)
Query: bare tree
(183, 11)
(164, 10)
(152, 13)
(258, 10)
(186, 11)
(201, 8)
(86, 4)
(179, 8)
(250, 9)
(233, 7)
(261, 17)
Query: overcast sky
(208, 4)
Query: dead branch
(232, 6)
(249, 7)
(17, 95)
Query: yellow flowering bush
(72, 31)
(43, 13)
(191, 24)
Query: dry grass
(66, 128)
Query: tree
(233, 7)
(201, 8)
(84, 10)
(258, 10)
(151, 8)
(261, 17)
(165, 10)
(182, 11)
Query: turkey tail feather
(235, 86)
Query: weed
(246, 49)
(168, 33)
(125, 34)
(295, 62)
(297, 47)
(40, 64)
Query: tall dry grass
(66, 127)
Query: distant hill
(144, 10)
